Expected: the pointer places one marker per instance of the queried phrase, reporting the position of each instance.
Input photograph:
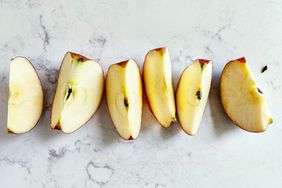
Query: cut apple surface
(242, 100)
(124, 98)
(26, 97)
(78, 94)
(158, 85)
(192, 94)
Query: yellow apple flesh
(158, 86)
(192, 94)
(124, 98)
(241, 99)
(78, 94)
(26, 96)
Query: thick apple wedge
(158, 86)
(26, 97)
(192, 94)
(242, 100)
(78, 94)
(124, 98)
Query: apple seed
(264, 68)
(125, 101)
(199, 95)
(69, 93)
(259, 90)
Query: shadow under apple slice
(221, 122)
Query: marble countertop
(220, 155)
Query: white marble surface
(221, 155)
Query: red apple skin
(161, 50)
(58, 127)
(10, 131)
(123, 64)
(202, 61)
(241, 60)
(75, 55)
(78, 56)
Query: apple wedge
(158, 86)
(78, 94)
(124, 98)
(192, 94)
(242, 100)
(25, 97)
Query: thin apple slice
(78, 94)
(158, 85)
(192, 94)
(242, 100)
(26, 97)
(124, 98)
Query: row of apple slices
(80, 89)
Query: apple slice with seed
(243, 102)
(124, 98)
(158, 86)
(192, 94)
(78, 94)
(26, 96)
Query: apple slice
(124, 98)
(242, 100)
(158, 85)
(26, 97)
(78, 94)
(192, 94)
